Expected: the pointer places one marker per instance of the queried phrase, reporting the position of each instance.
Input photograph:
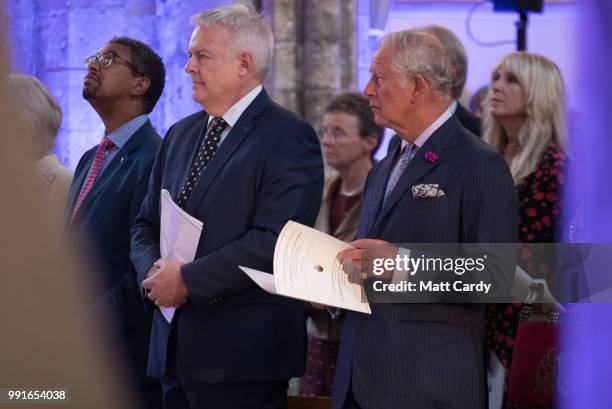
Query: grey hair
(418, 52)
(249, 33)
(38, 109)
(457, 55)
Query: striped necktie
(405, 158)
(93, 173)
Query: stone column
(314, 53)
(322, 64)
(284, 82)
(348, 45)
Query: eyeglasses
(104, 60)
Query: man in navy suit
(423, 356)
(244, 166)
(123, 83)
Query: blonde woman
(524, 120)
(42, 118)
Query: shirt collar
(422, 139)
(234, 112)
(121, 135)
(453, 106)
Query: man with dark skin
(124, 80)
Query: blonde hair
(544, 110)
(38, 110)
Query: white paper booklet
(179, 236)
(306, 268)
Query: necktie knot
(406, 156)
(105, 144)
(207, 150)
(94, 170)
(217, 125)
(409, 149)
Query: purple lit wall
(586, 359)
(552, 33)
(50, 38)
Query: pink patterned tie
(93, 173)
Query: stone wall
(315, 54)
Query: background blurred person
(349, 137)
(42, 118)
(478, 100)
(459, 62)
(525, 122)
(46, 340)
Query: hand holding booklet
(179, 236)
(306, 268)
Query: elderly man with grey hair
(243, 166)
(441, 184)
(459, 63)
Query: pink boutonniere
(431, 157)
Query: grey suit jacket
(428, 356)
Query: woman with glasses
(349, 138)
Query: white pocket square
(427, 190)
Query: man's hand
(165, 286)
(358, 263)
(154, 269)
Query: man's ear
(246, 64)
(420, 88)
(140, 85)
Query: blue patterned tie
(405, 158)
(207, 149)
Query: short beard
(88, 94)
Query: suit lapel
(232, 141)
(77, 183)
(419, 167)
(119, 160)
(376, 191)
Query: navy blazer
(469, 121)
(104, 221)
(429, 356)
(268, 170)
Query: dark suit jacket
(104, 221)
(267, 171)
(428, 355)
(469, 121)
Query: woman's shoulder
(554, 155)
